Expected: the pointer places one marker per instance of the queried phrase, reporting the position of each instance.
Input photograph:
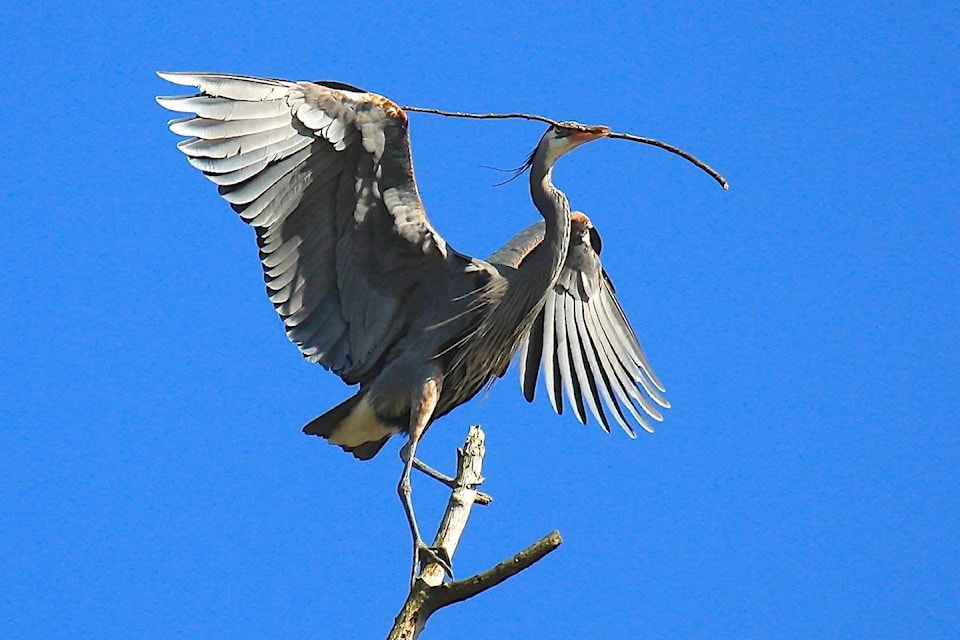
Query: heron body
(366, 286)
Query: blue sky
(806, 483)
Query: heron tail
(353, 426)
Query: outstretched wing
(582, 338)
(323, 173)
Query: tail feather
(368, 449)
(353, 426)
(325, 425)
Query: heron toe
(434, 555)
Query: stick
(703, 166)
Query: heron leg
(421, 411)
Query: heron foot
(424, 556)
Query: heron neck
(500, 333)
(555, 209)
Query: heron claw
(424, 556)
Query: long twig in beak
(689, 157)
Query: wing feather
(530, 352)
(566, 354)
(623, 384)
(208, 129)
(600, 375)
(583, 340)
(325, 177)
(585, 385)
(224, 108)
(551, 377)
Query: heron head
(563, 137)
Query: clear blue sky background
(154, 480)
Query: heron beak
(586, 134)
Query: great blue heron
(367, 287)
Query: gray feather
(582, 338)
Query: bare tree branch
(454, 592)
(428, 593)
(464, 494)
